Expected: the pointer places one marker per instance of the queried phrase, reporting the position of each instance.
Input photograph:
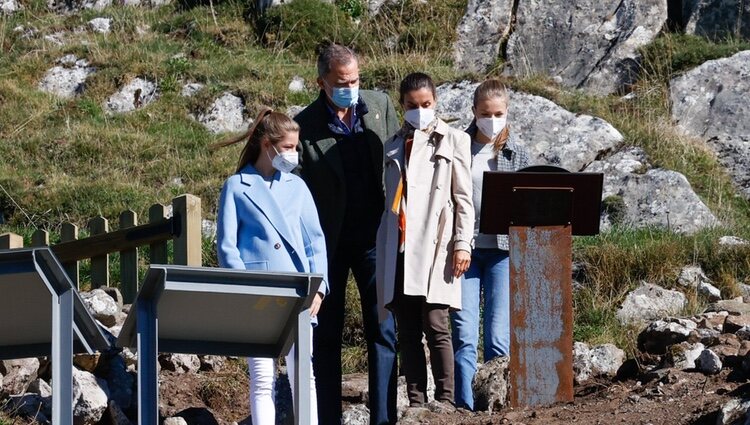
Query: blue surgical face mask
(344, 97)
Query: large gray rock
(134, 95)
(589, 44)
(89, 398)
(719, 19)
(490, 385)
(18, 374)
(484, 25)
(650, 302)
(552, 134)
(651, 196)
(8, 7)
(226, 114)
(710, 102)
(67, 79)
(101, 306)
(599, 361)
(661, 334)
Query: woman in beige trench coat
(424, 239)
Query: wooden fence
(183, 228)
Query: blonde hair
(493, 89)
(268, 125)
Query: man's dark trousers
(381, 340)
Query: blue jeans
(380, 336)
(488, 272)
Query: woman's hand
(315, 306)
(461, 262)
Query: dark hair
(333, 54)
(269, 125)
(415, 81)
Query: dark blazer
(320, 159)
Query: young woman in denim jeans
(493, 148)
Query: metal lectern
(540, 208)
(226, 312)
(42, 315)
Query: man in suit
(341, 139)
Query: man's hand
(461, 262)
(315, 307)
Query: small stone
(89, 398)
(66, 80)
(134, 95)
(175, 421)
(297, 84)
(8, 7)
(600, 361)
(87, 362)
(212, 363)
(734, 410)
(100, 25)
(732, 241)
(354, 388)
(226, 114)
(708, 362)
(707, 337)
(691, 276)
(191, 89)
(661, 334)
(683, 355)
(713, 321)
(733, 323)
(709, 291)
(208, 229)
(180, 362)
(743, 333)
(355, 414)
(490, 385)
(18, 375)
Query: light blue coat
(274, 229)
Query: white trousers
(262, 379)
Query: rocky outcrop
(226, 114)
(67, 79)
(591, 44)
(651, 196)
(136, 94)
(710, 102)
(650, 302)
(553, 135)
(719, 19)
(480, 33)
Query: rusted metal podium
(540, 209)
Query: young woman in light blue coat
(267, 220)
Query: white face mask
(420, 118)
(284, 161)
(491, 127)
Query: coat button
(277, 246)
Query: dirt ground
(671, 398)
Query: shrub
(302, 25)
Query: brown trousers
(414, 316)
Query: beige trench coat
(439, 216)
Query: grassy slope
(67, 159)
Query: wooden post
(69, 232)
(40, 238)
(157, 251)
(99, 264)
(186, 210)
(128, 261)
(11, 241)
